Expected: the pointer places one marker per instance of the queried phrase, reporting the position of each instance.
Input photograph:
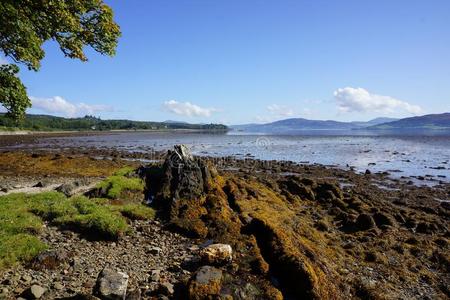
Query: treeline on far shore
(91, 123)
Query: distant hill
(297, 124)
(375, 121)
(434, 121)
(52, 123)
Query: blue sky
(248, 61)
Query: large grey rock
(179, 189)
(184, 176)
(111, 285)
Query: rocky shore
(236, 229)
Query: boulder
(34, 292)
(111, 285)
(205, 284)
(185, 177)
(179, 189)
(217, 254)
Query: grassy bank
(22, 216)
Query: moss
(17, 228)
(137, 212)
(115, 185)
(18, 247)
(101, 223)
(22, 215)
(125, 171)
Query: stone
(34, 292)
(178, 188)
(111, 285)
(67, 189)
(26, 278)
(134, 294)
(185, 177)
(80, 296)
(166, 288)
(217, 254)
(155, 275)
(49, 260)
(205, 284)
(364, 222)
(154, 250)
(3, 293)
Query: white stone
(217, 254)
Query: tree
(26, 24)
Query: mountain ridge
(430, 121)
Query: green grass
(113, 186)
(125, 171)
(22, 216)
(137, 212)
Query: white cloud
(188, 109)
(3, 61)
(280, 110)
(360, 100)
(59, 105)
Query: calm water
(407, 155)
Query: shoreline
(327, 202)
(31, 132)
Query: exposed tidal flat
(301, 215)
(420, 156)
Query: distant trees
(49, 123)
(26, 24)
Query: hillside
(52, 123)
(434, 121)
(297, 124)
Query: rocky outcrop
(182, 188)
(184, 177)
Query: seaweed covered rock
(205, 284)
(187, 190)
(184, 177)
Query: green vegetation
(137, 212)
(51, 123)
(113, 186)
(26, 25)
(22, 216)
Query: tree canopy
(26, 24)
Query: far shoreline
(32, 132)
